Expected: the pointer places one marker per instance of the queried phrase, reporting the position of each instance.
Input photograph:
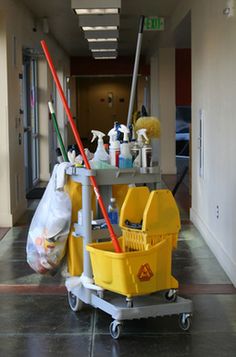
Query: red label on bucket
(145, 272)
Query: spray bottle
(146, 155)
(136, 151)
(132, 136)
(100, 153)
(125, 157)
(114, 148)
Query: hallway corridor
(37, 321)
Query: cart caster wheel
(115, 329)
(129, 303)
(185, 321)
(74, 302)
(100, 294)
(171, 295)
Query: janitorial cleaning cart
(138, 282)
(129, 277)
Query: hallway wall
(162, 84)
(213, 92)
(16, 32)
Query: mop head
(152, 124)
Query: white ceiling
(63, 24)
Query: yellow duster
(152, 124)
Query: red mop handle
(81, 148)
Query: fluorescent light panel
(105, 57)
(102, 39)
(95, 4)
(103, 50)
(101, 34)
(99, 20)
(96, 11)
(107, 45)
(99, 28)
(104, 54)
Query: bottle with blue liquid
(113, 211)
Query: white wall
(17, 23)
(163, 105)
(5, 218)
(214, 91)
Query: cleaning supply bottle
(119, 135)
(100, 153)
(137, 148)
(114, 148)
(113, 211)
(132, 137)
(131, 134)
(146, 155)
(125, 157)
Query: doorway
(31, 121)
(183, 113)
(101, 102)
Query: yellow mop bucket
(145, 264)
(132, 273)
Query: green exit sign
(154, 23)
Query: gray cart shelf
(119, 307)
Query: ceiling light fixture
(101, 34)
(99, 28)
(96, 11)
(102, 39)
(99, 20)
(113, 57)
(105, 54)
(106, 45)
(103, 49)
(96, 7)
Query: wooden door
(101, 102)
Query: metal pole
(87, 230)
(81, 148)
(135, 72)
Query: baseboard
(216, 247)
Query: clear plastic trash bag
(49, 229)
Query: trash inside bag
(49, 228)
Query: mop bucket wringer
(144, 266)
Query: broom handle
(55, 124)
(135, 71)
(81, 148)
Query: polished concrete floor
(35, 319)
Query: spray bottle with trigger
(132, 137)
(137, 148)
(125, 157)
(100, 153)
(146, 154)
(114, 148)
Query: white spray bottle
(146, 154)
(114, 148)
(100, 153)
(137, 148)
(125, 157)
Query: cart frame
(117, 306)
